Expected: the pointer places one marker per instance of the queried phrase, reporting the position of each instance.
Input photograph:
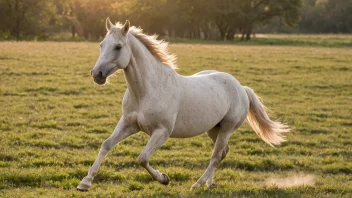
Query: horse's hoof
(82, 190)
(82, 187)
(210, 186)
(166, 179)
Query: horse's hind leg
(226, 128)
(213, 134)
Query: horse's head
(114, 52)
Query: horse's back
(207, 97)
(237, 95)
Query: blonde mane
(158, 48)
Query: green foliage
(53, 120)
(181, 18)
(20, 18)
(330, 16)
(78, 20)
(242, 16)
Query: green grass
(53, 120)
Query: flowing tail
(270, 131)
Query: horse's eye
(118, 47)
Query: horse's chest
(146, 121)
(148, 115)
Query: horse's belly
(193, 127)
(200, 111)
(195, 120)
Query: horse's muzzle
(100, 81)
(98, 77)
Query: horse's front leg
(157, 139)
(122, 131)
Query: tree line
(194, 19)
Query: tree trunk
(248, 36)
(199, 32)
(222, 34)
(17, 27)
(222, 27)
(248, 33)
(230, 34)
(73, 31)
(17, 30)
(205, 34)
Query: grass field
(53, 120)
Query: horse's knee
(218, 157)
(107, 145)
(142, 159)
(225, 151)
(215, 161)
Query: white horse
(164, 104)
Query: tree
(328, 16)
(211, 19)
(231, 16)
(338, 16)
(25, 17)
(261, 11)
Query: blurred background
(296, 54)
(189, 19)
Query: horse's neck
(145, 72)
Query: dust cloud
(291, 181)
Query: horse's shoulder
(128, 104)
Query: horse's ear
(108, 24)
(125, 28)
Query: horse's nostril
(91, 72)
(100, 74)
